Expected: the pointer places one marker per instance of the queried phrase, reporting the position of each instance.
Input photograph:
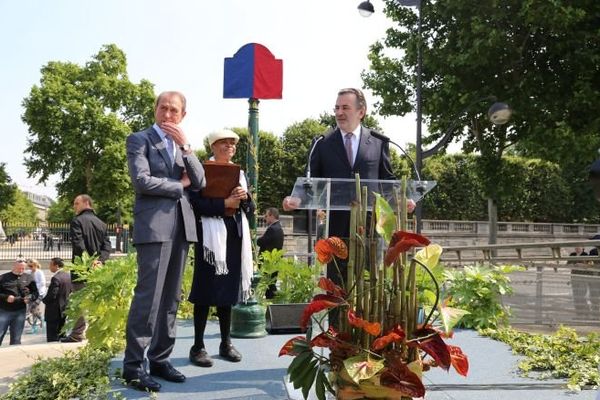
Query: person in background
(56, 300)
(223, 265)
(163, 169)
(89, 234)
(35, 307)
(17, 289)
(270, 240)
(38, 276)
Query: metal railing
(45, 241)
(555, 288)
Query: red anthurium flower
(430, 341)
(401, 242)
(325, 339)
(327, 248)
(319, 302)
(372, 328)
(460, 362)
(330, 287)
(288, 347)
(396, 334)
(402, 379)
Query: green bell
(248, 320)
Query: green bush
(561, 355)
(542, 194)
(297, 280)
(479, 290)
(106, 298)
(81, 374)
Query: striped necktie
(348, 146)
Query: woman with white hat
(223, 255)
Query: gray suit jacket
(158, 190)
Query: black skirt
(218, 290)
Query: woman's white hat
(222, 134)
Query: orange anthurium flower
(401, 242)
(396, 334)
(327, 248)
(460, 362)
(330, 287)
(319, 303)
(372, 328)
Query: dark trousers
(78, 331)
(53, 329)
(153, 311)
(13, 320)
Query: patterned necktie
(169, 146)
(348, 146)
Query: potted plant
(297, 282)
(379, 349)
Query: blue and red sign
(253, 72)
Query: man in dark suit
(270, 240)
(56, 300)
(349, 149)
(89, 234)
(162, 167)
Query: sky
(181, 45)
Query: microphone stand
(308, 191)
(420, 188)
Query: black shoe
(228, 352)
(70, 339)
(200, 358)
(142, 381)
(167, 372)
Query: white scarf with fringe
(214, 234)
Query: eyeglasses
(21, 261)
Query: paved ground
(260, 375)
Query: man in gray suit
(162, 168)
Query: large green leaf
(429, 255)
(386, 219)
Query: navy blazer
(329, 160)
(372, 160)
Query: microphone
(387, 139)
(312, 148)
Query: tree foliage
(7, 189)
(539, 57)
(541, 194)
(296, 141)
(20, 212)
(78, 119)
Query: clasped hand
(237, 195)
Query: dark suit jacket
(329, 161)
(89, 234)
(271, 239)
(57, 296)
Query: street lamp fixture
(499, 113)
(366, 9)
